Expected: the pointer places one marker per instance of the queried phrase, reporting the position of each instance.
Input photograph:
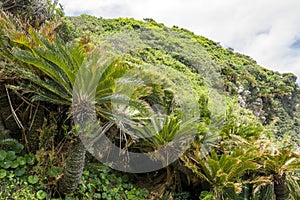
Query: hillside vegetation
(271, 96)
(232, 125)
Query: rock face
(256, 105)
(281, 108)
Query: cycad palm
(165, 138)
(222, 172)
(282, 164)
(52, 68)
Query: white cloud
(263, 29)
(105, 8)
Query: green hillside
(271, 96)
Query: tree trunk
(74, 167)
(34, 124)
(84, 116)
(280, 187)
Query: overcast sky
(266, 30)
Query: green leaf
(20, 171)
(2, 173)
(11, 155)
(6, 164)
(17, 147)
(14, 164)
(205, 195)
(97, 195)
(2, 155)
(41, 194)
(21, 160)
(30, 159)
(33, 179)
(54, 171)
(104, 195)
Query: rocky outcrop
(278, 108)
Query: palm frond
(294, 187)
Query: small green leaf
(20, 171)
(30, 159)
(104, 188)
(6, 164)
(21, 160)
(2, 155)
(97, 195)
(10, 175)
(11, 155)
(41, 194)
(17, 147)
(14, 164)
(33, 179)
(54, 171)
(104, 195)
(2, 173)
